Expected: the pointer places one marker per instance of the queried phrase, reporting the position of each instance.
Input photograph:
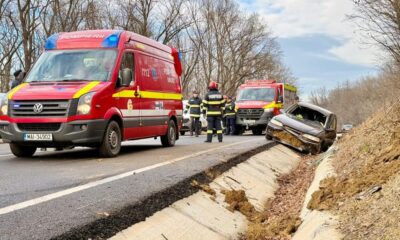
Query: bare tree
(380, 20)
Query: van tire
(168, 140)
(22, 151)
(111, 145)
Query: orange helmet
(213, 85)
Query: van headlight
(4, 105)
(276, 122)
(85, 103)
(268, 110)
(312, 138)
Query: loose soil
(281, 216)
(237, 200)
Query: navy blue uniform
(230, 115)
(194, 106)
(214, 103)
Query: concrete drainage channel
(117, 221)
(206, 216)
(318, 225)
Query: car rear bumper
(75, 133)
(293, 139)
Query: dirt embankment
(365, 193)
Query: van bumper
(75, 133)
(251, 123)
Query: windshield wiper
(73, 80)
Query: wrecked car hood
(303, 126)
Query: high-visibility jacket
(230, 110)
(214, 103)
(194, 106)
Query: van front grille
(250, 112)
(39, 127)
(39, 108)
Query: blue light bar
(51, 42)
(111, 41)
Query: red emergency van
(258, 101)
(95, 88)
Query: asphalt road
(54, 192)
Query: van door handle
(137, 92)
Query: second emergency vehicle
(95, 88)
(258, 101)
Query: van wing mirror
(280, 99)
(127, 76)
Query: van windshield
(257, 94)
(73, 65)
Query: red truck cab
(95, 88)
(258, 101)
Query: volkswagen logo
(38, 108)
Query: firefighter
(214, 104)
(194, 106)
(224, 116)
(230, 115)
(19, 76)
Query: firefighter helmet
(213, 85)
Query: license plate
(248, 121)
(38, 137)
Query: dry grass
(368, 156)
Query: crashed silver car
(304, 126)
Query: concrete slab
(168, 224)
(199, 217)
(214, 216)
(318, 226)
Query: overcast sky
(319, 44)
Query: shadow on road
(82, 154)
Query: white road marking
(69, 191)
(6, 155)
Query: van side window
(127, 62)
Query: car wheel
(168, 140)
(257, 131)
(22, 151)
(111, 145)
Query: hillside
(366, 191)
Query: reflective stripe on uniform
(230, 114)
(195, 115)
(216, 102)
(209, 131)
(214, 113)
(219, 131)
(194, 105)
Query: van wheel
(111, 145)
(22, 151)
(183, 133)
(168, 140)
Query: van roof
(100, 39)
